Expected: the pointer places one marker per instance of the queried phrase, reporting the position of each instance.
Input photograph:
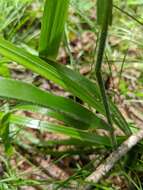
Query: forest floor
(34, 159)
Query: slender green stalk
(129, 15)
(102, 43)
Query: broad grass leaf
(25, 92)
(66, 78)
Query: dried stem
(114, 157)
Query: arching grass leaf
(71, 132)
(25, 92)
(65, 77)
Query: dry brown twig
(114, 157)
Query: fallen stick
(114, 157)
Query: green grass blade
(25, 92)
(65, 77)
(71, 132)
(54, 17)
(79, 85)
(68, 120)
(102, 7)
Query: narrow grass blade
(54, 17)
(25, 92)
(68, 120)
(71, 132)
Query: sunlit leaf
(71, 132)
